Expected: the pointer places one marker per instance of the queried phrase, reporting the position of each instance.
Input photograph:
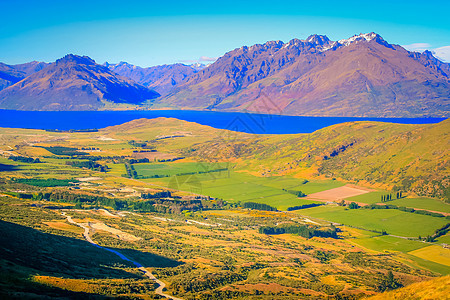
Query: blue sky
(148, 33)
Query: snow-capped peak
(330, 46)
(358, 38)
(293, 42)
(318, 39)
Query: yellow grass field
(430, 290)
(434, 253)
(64, 226)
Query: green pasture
(51, 168)
(420, 203)
(117, 169)
(369, 198)
(430, 265)
(174, 168)
(445, 239)
(391, 243)
(393, 221)
(235, 187)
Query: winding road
(162, 285)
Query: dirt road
(147, 273)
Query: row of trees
(161, 202)
(406, 209)
(302, 230)
(137, 144)
(73, 130)
(138, 160)
(439, 232)
(258, 206)
(88, 164)
(388, 197)
(304, 206)
(296, 193)
(50, 182)
(59, 150)
(353, 205)
(24, 159)
(163, 194)
(131, 172)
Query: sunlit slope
(410, 157)
(437, 288)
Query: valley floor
(205, 229)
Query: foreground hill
(432, 289)
(408, 157)
(144, 189)
(360, 76)
(412, 158)
(160, 78)
(73, 83)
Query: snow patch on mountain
(358, 38)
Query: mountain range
(73, 83)
(10, 75)
(360, 76)
(160, 78)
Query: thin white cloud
(420, 47)
(202, 59)
(443, 53)
(206, 58)
(189, 61)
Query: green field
(369, 198)
(117, 169)
(170, 169)
(315, 186)
(445, 239)
(430, 265)
(234, 186)
(422, 203)
(391, 220)
(54, 168)
(391, 243)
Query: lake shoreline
(235, 121)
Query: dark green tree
(353, 205)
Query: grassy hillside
(129, 170)
(411, 158)
(432, 289)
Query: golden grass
(75, 285)
(64, 226)
(433, 253)
(434, 289)
(34, 151)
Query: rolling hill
(73, 83)
(436, 288)
(412, 158)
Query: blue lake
(244, 122)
